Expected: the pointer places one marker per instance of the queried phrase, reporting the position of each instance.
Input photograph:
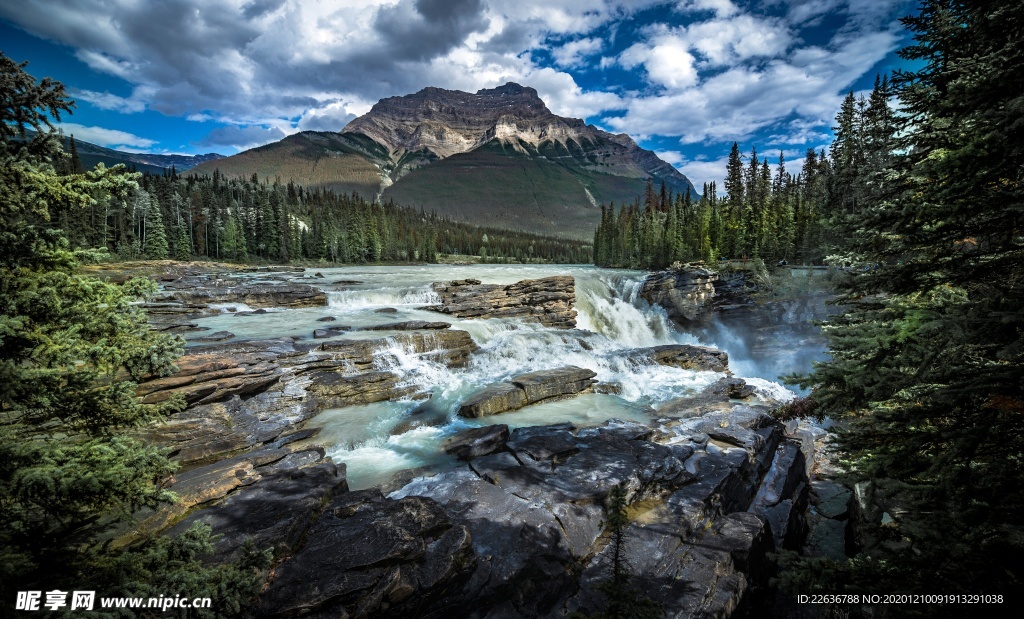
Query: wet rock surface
(525, 389)
(246, 394)
(549, 300)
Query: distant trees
(217, 218)
(765, 214)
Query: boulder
(525, 389)
(477, 442)
(549, 301)
(326, 332)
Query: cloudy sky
(685, 78)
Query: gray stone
(549, 301)
(371, 556)
(527, 389)
(477, 442)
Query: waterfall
(610, 304)
(379, 440)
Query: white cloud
(105, 137)
(287, 65)
(806, 83)
(574, 53)
(704, 171)
(667, 60)
(108, 101)
(723, 8)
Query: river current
(378, 441)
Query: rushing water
(377, 441)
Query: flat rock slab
(525, 389)
(408, 325)
(549, 301)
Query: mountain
(498, 157)
(91, 154)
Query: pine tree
(73, 349)
(155, 246)
(927, 363)
(76, 161)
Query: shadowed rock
(372, 556)
(477, 442)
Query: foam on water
(381, 297)
(611, 319)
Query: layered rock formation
(686, 293)
(526, 389)
(247, 394)
(549, 301)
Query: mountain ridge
(495, 157)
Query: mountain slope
(91, 154)
(497, 157)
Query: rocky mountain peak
(447, 122)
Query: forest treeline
(188, 216)
(766, 211)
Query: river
(378, 441)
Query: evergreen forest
(766, 212)
(189, 217)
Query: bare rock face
(549, 300)
(368, 556)
(686, 293)
(525, 389)
(435, 123)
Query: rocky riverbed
(508, 517)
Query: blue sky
(685, 78)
